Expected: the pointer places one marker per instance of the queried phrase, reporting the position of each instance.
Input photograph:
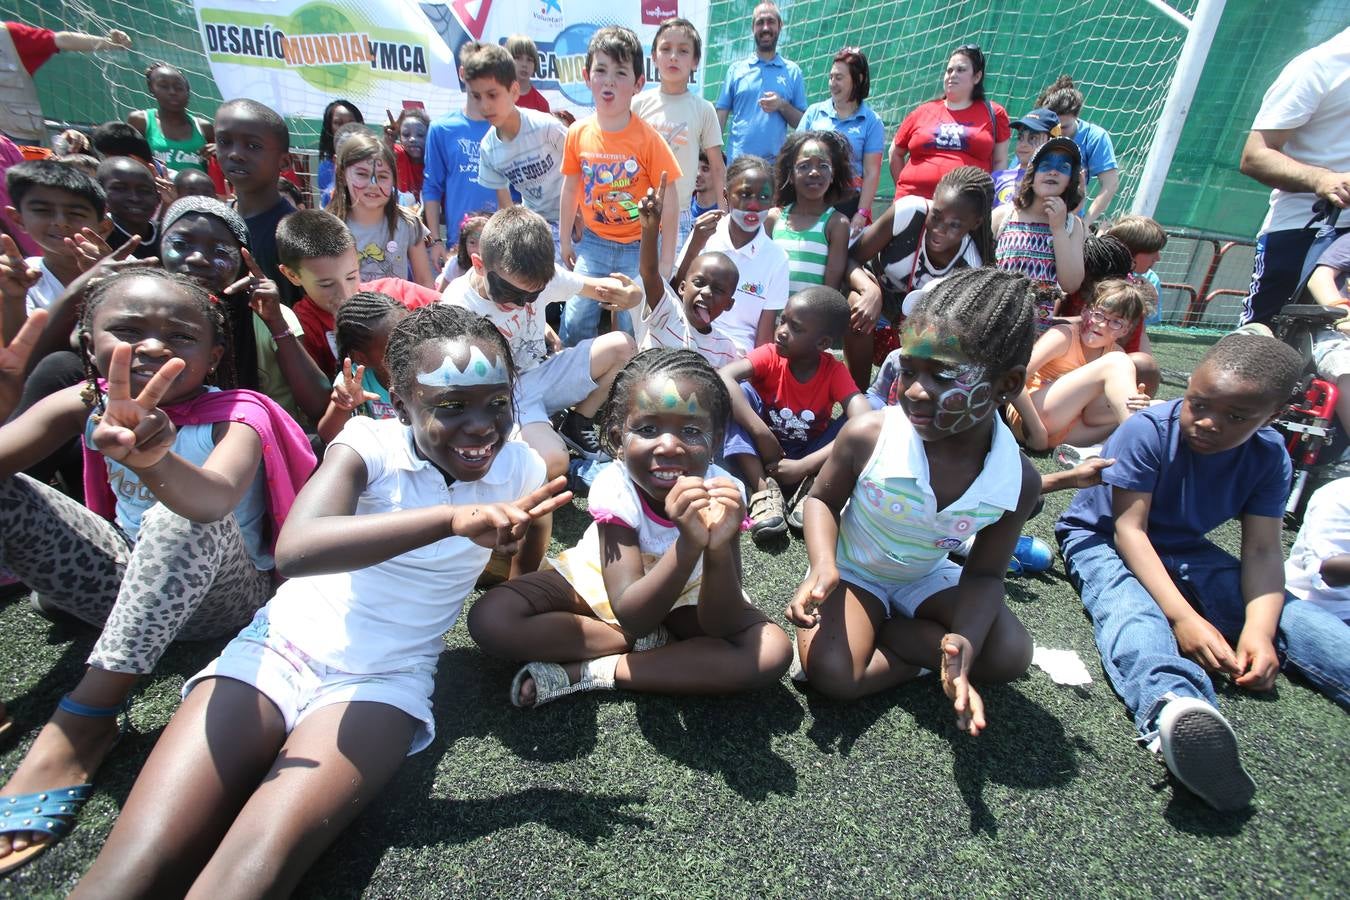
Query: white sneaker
(1201, 750)
(1068, 456)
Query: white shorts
(906, 597)
(1331, 354)
(559, 382)
(299, 685)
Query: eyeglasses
(1097, 317)
(1055, 163)
(807, 166)
(505, 292)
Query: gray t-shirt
(531, 162)
(382, 255)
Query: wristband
(866, 214)
(431, 241)
(283, 334)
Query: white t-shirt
(1311, 96)
(763, 283)
(614, 499)
(382, 256)
(48, 288)
(392, 615)
(531, 162)
(688, 123)
(523, 326)
(666, 326)
(1325, 533)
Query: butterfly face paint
(477, 371)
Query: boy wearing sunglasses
(512, 279)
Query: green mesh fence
(1122, 52)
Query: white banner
(298, 55)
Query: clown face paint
(476, 371)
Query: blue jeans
(597, 257)
(1139, 651)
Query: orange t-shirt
(616, 168)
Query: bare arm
(1263, 159)
(1263, 593)
(722, 115)
(649, 266)
(138, 120)
(567, 217)
(79, 42)
(210, 492)
(870, 182)
(670, 225)
(836, 253)
(898, 155)
(1107, 183)
(1000, 159)
(504, 199)
(717, 174)
(768, 320)
(47, 425)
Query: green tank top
(807, 251)
(176, 155)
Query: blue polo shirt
(752, 129)
(1193, 493)
(863, 129)
(1095, 144)
(450, 171)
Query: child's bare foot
(67, 752)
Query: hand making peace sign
(134, 430)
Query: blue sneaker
(1032, 556)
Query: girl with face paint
(1039, 234)
(906, 485)
(1081, 384)
(390, 240)
(812, 175)
(650, 599)
(382, 548)
(409, 136)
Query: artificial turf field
(781, 792)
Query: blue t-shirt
(450, 173)
(1193, 493)
(863, 129)
(1095, 145)
(752, 129)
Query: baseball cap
(1040, 120)
(1056, 145)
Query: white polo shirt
(763, 283)
(392, 615)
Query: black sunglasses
(503, 291)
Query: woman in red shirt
(960, 128)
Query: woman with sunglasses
(960, 128)
(1081, 384)
(1038, 235)
(846, 111)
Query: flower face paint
(942, 391)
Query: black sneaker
(1201, 750)
(578, 433)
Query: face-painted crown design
(477, 371)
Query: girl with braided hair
(650, 599)
(361, 388)
(905, 485)
(186, 485)
(381, 551)
(914, 242)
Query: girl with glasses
(813, 174)
(1080, 382)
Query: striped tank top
(807, 251)
(891, 531)
(1028, 248)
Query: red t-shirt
(798, 412)
(938, 140)
(409, 173)
(34, 45)
(534, 100)
(320, 339)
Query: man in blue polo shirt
(764, 95)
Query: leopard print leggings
(180, 580)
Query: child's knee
(833, 673)
(1006, 655)
(610, 353)
(1146, 372)
(773, 656)
(493, 618)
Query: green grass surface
(781, 792)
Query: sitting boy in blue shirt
(1165, 602)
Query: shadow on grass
(1023, 747)
(727, 736)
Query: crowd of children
(327, 396)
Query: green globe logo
(343, 78)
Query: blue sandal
(51, 812)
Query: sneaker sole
(1202, 753)
(580, 450)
